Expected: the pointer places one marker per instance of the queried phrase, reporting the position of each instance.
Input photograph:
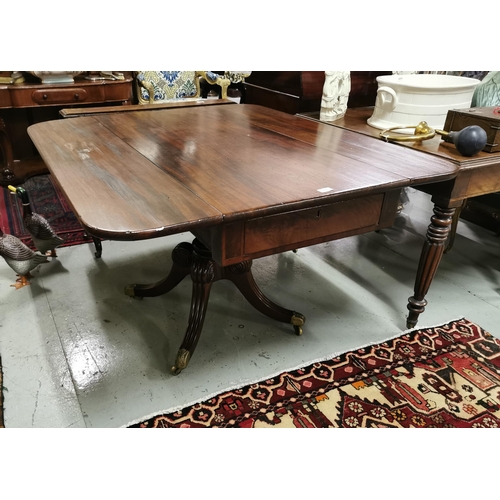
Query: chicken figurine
(44, 237)
(20, 258)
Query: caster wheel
(175, 370)
(298, 321)
(129, 290)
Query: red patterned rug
(444, 376)
(47, 200)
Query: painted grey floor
(77, 352)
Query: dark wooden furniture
(475, 176)
(300, 91)
(22, 105)
(483, 211)
(76, 112)
(245, 180)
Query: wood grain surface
(156, 172)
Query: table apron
(467, 184)
(484, 181)
(261, 236)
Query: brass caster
(181, 361)
(175, 370)
(298, 321)
(130, 291)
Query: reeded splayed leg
(432, 251)
(202, 275)
(196, 259)
(240, 274)
(182, 259)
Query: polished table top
(475, 175)
(148, 173)
(355, 119)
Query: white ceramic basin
(406, 100)
(56, 76)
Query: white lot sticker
(325, 190)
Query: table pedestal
(196, 259)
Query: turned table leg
(98, 247)
(454, 226)
(432, 251)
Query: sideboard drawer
(67, 96)
(82, 91)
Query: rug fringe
(302, 365)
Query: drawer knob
(44, 96)
(76, 96)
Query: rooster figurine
(19, 257)
(44, 237)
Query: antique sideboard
(24, 104)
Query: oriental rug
(442, 376)
(47, 200)
(2, 425)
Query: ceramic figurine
(20, 258)
(44, 237)
(335, 95)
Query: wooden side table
(22, 105)
(475, 176)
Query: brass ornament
(468, 141)
(422, 132)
